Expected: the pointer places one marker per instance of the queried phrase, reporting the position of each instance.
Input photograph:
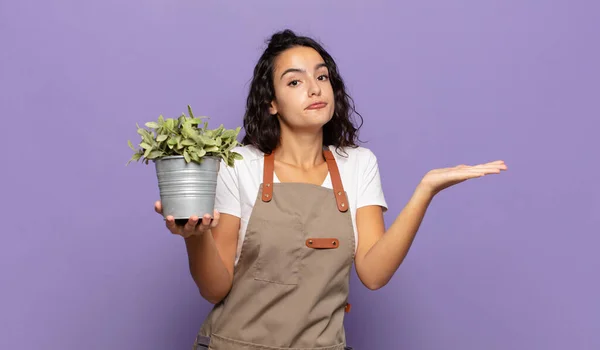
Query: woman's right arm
(211, 256)
(211, 248)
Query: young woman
(303, 205)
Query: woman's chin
(318, 119)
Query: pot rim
(179, 157)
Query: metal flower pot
(187, 189)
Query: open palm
(438, 179)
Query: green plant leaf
(152, 125)
(230, 162)
(211, 148)
(146, 135)
(130, 145)
(135, 157)
(186, 156)
(172, 140)
(199, 151)
(161, 138)
(228, 134)
(207, 140)
(187, 130)
(195, 157)
(170, 123)
(188, 142)
(155, 154)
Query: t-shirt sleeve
(370, 191)
(227, 199)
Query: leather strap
(268, 169)
(323, 243)
(336, 180)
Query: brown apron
(290, 286)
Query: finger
(499, 164)
(483, 170)
(205, 223)
(190, 226)
(472, 173)
(215, 220)
(493, 165)
(158, 207)
(495, 162)
(170, 222)
(468, 174)
(485, 167)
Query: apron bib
(290, 285)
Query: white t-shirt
(237, 186)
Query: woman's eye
(293, 83)
(323, 77)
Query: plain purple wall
(504, 262)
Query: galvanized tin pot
(187, 189)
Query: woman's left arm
(381, 252)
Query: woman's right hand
(193, 227)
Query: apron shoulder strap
(268, 169)
(336, 181)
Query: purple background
(504, 262)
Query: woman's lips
(317, 105)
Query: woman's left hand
(439, 179)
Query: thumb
(158, 207)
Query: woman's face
(303, 94)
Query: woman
(303, 205)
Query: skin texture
(301, 80)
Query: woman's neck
(300, 150)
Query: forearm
(207, 268)
(385, 256)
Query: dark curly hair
(262, 130)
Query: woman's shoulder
(358, 154)
(245, 170)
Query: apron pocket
(281, 246)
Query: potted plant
(187, 157)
